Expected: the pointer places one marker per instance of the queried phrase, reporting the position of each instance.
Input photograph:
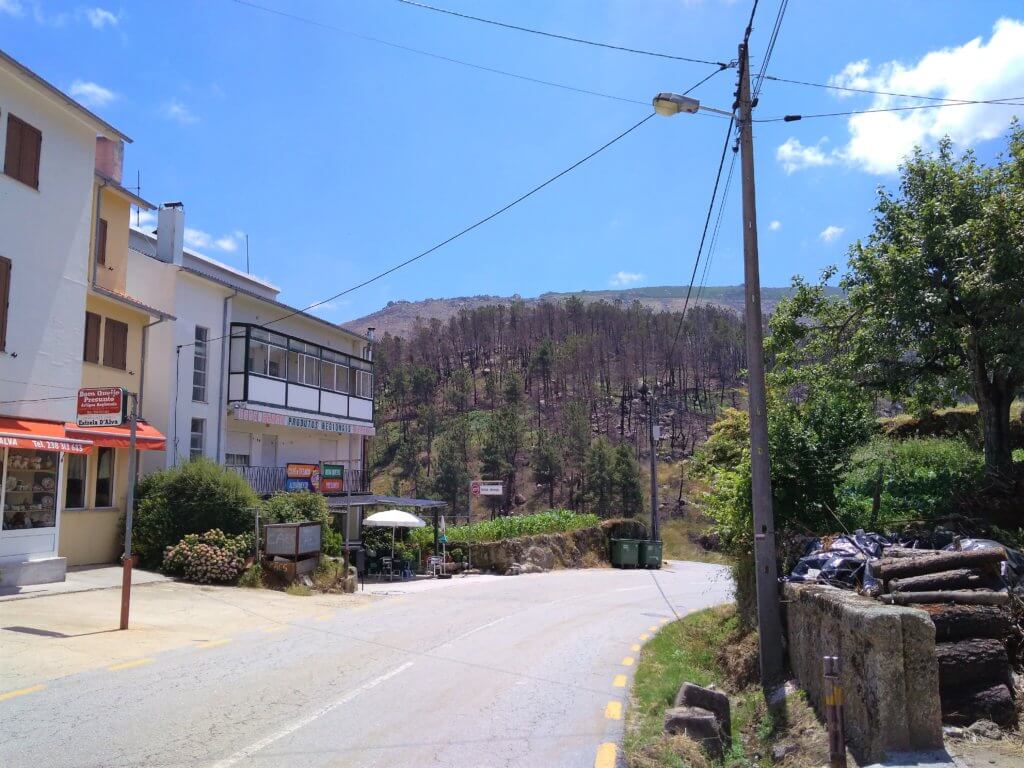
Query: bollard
(834, 713)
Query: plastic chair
(387, 568)
(434, 565)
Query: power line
(703, 236)
(848, 89)
(773, 38)
(718, 227)
(457, 235)
(39, 399)
(567, 38)
(36, 384)
(1009, 101)
(438, 56)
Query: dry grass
(298, 590)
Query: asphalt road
(519, 671)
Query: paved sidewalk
(84, 578)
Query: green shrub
(252, 577)
(296, 507)
(552, 521)
(920, 479)
(209, 557)
(188, 499)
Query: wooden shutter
(91, 353)
(115, 344)
(21, 158)
(5, 296)
(101, 242)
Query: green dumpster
(649, 555)
(625, 553)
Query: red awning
(40, 436)
(147, 438)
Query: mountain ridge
(399, 318)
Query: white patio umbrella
(393, 519)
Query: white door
(268, 453)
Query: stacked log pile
(966, 598)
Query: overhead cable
(1009, 101)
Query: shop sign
(101, 407)
(303, 422)
(486, 488)
(302, 477)
(332, 478)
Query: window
(5, 296)
(333, 373)
(91, 353)
(101, 242)
(197, 440)
(21, 160)
(115, 344)
(236, 362)
(236, 459)
(31, 493)
(364, 384)
(104, 478)
(74, 495)
(267, 353)
(199, 365)
(304, 364)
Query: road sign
(486, 488)
(101, 407)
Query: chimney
(368, 349)
(109, 158)
(170, 232)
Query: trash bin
(625, 553)
(649, 555)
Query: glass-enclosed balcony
(270, 368)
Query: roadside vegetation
(552, 521)
(712, 647)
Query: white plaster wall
(250, 310)
(45, 234)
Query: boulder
(985, 729)
(514, 570)
(716, 702)
(781, 751)
(700, 725)
(530, 568)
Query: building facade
(48, 146)
(245, 380)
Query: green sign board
(332, 470)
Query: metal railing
(268, 480)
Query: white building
(243, 379)
(48, 148)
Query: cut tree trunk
(957, 622)
(962, 578)
(901, 567)
(971, 661)
(958, 596)
(994, 392)
(991, 702)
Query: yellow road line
(628, 661)
(619, 681)
(21, 692)
(644, 637)
(213, 643)
(129, 664)
(272, 630)
(634, 647)
(322, 617)
(613, 711)
(606, 756)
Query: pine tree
(451, 476)
(548, 465)
(599, 485)
(629, 494)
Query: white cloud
(11, 7)
(178, 112)
(794, 156)
(91, 94)
(830, 233)
(975, 70)
(622, 279)
(204, 241)
(144, 219)
(775, 225)
(100, 17)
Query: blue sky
(340, 156)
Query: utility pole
(126, 561)
(769, 622)
(653, 430)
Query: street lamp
(768, 614)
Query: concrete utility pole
(654, 429)
(126, 560)
(768, 619)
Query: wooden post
(834, 713)
(126, 561)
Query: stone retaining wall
(890, 674)
(574, 549)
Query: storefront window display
(30, 489)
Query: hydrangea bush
(211, 557)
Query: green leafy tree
(599, 485)
(629, 494)
(423, 384)
(499, 453)
(577, 442)
(935, 297)
(430, 421)
(459, 390)
(512, 391)
(451, 478)
(548, 465)
(408, 459)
